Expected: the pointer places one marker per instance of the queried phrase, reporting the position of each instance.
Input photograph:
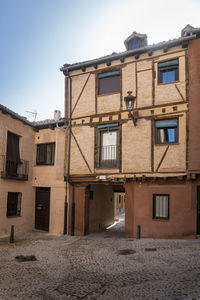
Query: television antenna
(34, 114)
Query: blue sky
(38, 36)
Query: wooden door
(42, 208)
(198, 210)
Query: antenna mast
(34, 114)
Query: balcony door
(12, 154)
(108, 148)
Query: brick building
(132, 126)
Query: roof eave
(125, 54)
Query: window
(109, 82)
(168, 71)
(160, 206)
(45, 154)
(14, 204)
(134, 46)
(107, 146)
(166, 131)
(12, 154)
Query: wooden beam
(81, 92)
(81, 152)
(164, 154)
(179, 92)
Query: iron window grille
(160, 206)
(14, 204)
(168, 71)
(166, 131)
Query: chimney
(57, 115)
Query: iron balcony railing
(107, 157)
(13, 170)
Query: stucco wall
(26, 220)
(52, 176)
(139, 209)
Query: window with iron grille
(166, 131)
(107, 146)
(160, 206)
(168, 71)
(45, 154)
(109, 82)
(14, 204)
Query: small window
(166, 131)
(109, 83)
(134, 46)
(160, 206)
(45, 154)
(14, 204)
(168, 71)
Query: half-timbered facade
(132, 126)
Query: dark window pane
(109, 85)
(40, 153)
(13, 204)
(13, 147)
(45, 154)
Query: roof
(14, 115)
(48, 123)
(35, 125)
(191, 34)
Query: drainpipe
(69, 152)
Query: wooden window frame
(98, 141)
(154, 207)
(44, 161)
(115, 89)
(161, 70)
(157, 136)
(11, 198)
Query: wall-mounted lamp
(130, 101)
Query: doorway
(42, 208)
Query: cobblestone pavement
(92, 267)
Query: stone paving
(92, 267)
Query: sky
(38, 36)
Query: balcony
(108, 157)
(13, 170)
